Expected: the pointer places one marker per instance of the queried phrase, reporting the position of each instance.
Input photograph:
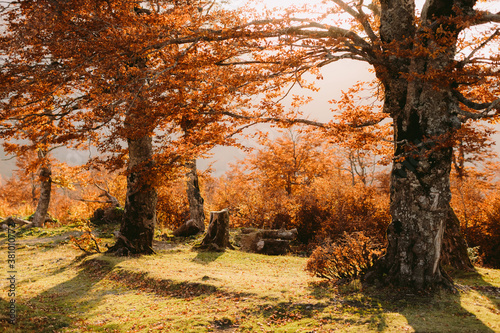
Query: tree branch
(471, 104)
(483, 44)
(486, 107)
(291, 121)
(360, 16)
(486, 17)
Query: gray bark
(45, 190)
(196, 222)
(139, 217)
(195, 199)
(11, 221)
(454, 251)
(271, 242)
(423, 120)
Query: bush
(485, 233)
(345, 259)
(172, 207)
(343, 209)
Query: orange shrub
(172, 208)
(345, 259)
(477, 204)
(324, 208)
(483, 231)
(329, 214)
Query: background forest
(294, 181)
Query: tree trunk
(196, 222)
(195, 199)
(419, 208)
(44, 198)
(454, 252)
(139, 217)
(421, 108)
(217, 237)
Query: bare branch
(486, 17)
(360, 16)
(483, 44)
(292, 121)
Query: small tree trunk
(217, 237)
(44, 198)
(195, 199)
(196, 222)
(139, 217)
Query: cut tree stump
(217, 236)
(270, 242)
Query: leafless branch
(483, 44)
(486, 17)
(292, 121)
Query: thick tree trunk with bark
(196, 222)
(139, 217)
(423, 122)
(44, 199)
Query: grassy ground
(180, 290)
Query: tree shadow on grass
(169, 288)
(475, 281)
(205, 257)
(57, 307)
(443, 311)
(394, 310)
(438, 313)
(67, 303)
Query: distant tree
(289, 162)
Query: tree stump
(270, 242)
(217, 237)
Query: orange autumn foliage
(297, 182)
(345, 259)
(477, 204)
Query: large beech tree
(128, 76)
(438, 68)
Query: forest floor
(58, 289)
